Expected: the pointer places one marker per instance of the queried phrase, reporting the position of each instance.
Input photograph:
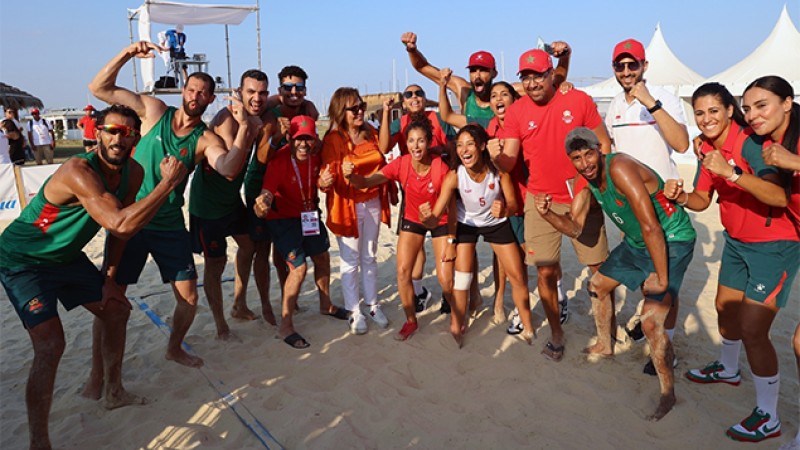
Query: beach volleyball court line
(251, 422)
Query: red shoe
(408, 329)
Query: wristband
(655, 107)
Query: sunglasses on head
(357, 107)
(121, 130)
(419, 93)
(633, 66)
(299, 86)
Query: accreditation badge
(310, 222)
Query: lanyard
(306, 202)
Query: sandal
(553, 353)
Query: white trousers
(360, 254)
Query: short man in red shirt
(537, 125)
(289, 202)
(87, 125)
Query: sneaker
(408, 329)
(636, 332)
(713, 373)
(358, 323)
(444, 308)
(376, 314)
(650, 368)
(563, 311)
(421, 300)
(515, 324)
(755, 428)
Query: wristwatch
(655, 107)
(452, 240)
(737, 172)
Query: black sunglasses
(357, 107)
(419, 93)
(633, 66)
(299, 86)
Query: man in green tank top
(180, 133)
(217, 211)
(42, 262)
(656, 251)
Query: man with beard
(41, 259)
(656, 251)
(179, 133)
(216, 212)
(646, 122)
(474, 95)
(536, 125)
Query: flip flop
(552, 352)
(294, 340)
(340, 313)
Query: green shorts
(631, 266)
(171, 250)
(764, 271)
(34, 291)
(518, 226)
(209, 235)
(287, 237)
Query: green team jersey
(674, 220)
(254, 175)
(213, 196)
(159, 142)
(51, 235)
(475, 113)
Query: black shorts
(417, 228)
(209, 235)
(89, 142)
(501, 233)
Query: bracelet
(685, 201)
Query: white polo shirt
(635, 132)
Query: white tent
(779, 55)
(166, 12)
(664, 69)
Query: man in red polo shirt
(537, 125)
(87, 125)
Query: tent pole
(258, 33)
(130, 34)
(228, 54)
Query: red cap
(630, 47)
(35, 111)
(302, 126)
(536, 60)
(481, 59)
(89, 108)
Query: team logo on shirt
(491, 186)
(532, 125)
(184, 152)
(567, 117)
(35, 306)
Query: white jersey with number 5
(475, 203)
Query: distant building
(64, 122)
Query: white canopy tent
(166, 12)
(778, 55)
(664, 69)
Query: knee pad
(462, 280)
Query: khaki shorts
(543, 241)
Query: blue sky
(52, 49)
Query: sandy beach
(370, 391)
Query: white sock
(417, 286)
(729, 355)
(671, 334)
(767, 389)
(561, 295)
